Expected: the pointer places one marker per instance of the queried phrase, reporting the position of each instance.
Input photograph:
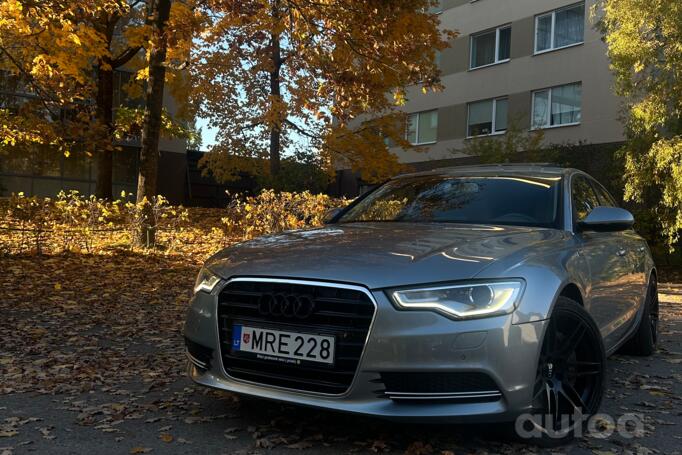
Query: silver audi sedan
(462, 294)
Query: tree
(644, 41)
(281, 77)
(159, 13)
(121, 48)
(65, 54)
(46, 50)
(62, 56)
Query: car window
(605, 198)
(522, 200)
(584, 198)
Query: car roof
(521, 169)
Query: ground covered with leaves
(91, 361)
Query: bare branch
(301, 130)
(125, 56)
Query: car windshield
(496, 199)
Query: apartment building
(538, 63)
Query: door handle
(620, 253)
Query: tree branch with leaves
(280, 77)
(644, 45)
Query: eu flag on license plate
(236, 336)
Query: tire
(643, 341)
(571, 377)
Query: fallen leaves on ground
(114, 319)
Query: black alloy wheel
(570, 377)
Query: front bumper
(408, 342)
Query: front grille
(343, 313)
(459, 386)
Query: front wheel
(570, 378)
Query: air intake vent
(465, 386)
(198, 354)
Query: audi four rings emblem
(286, 305)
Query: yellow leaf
(165, 437)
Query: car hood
(378, 255)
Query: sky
(207, 134)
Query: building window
(557, 106)
(490, 47)
(422, 127)
(560, 28)
(487, 117)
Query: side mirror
(331, 214)
(607, 219)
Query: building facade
(540, 64)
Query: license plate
(283, 346)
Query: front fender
(546, 275)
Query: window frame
(493, 132)
(497, 30)
(552, 47)
(574, 212)
(603, 193)
(548, 117)
(416, 127)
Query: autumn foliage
(48, 49)
(644, 45)
(57, 73)
(270, 212)
(77, 223)
(288, 76)
(72, 222)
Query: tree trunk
(151, 130)
(105, 114)
(105, 106)
(275, 91)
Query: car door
(634, 287)
(609, 267)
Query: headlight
(206, 281)
(463, 301)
